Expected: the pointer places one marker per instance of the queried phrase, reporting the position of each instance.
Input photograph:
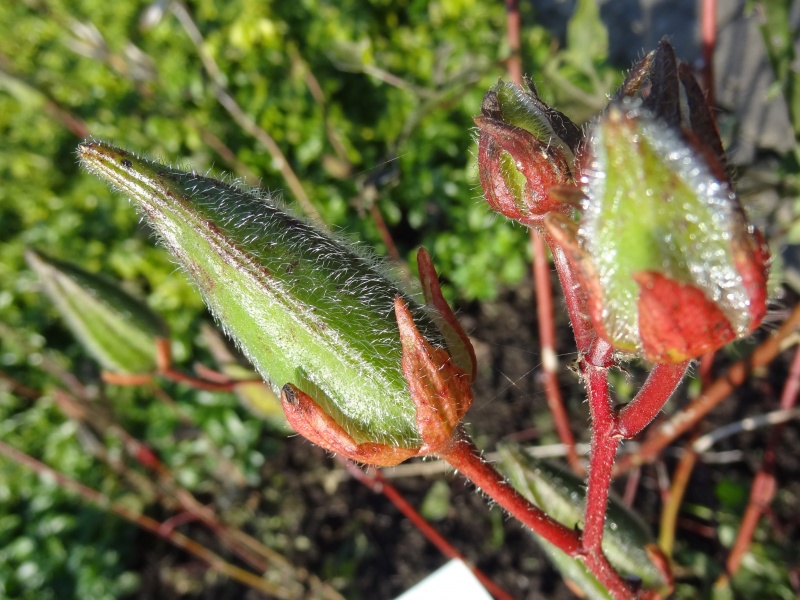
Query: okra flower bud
(671, 266)
(315, 317)
(118, 330)
(526, 153)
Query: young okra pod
(314, 316)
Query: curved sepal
(440, 390)
(311, 421)
(676, 320)
(458, 343)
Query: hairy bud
(526, 153)
(315, 318)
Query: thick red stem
(604, 450)
(464, 456)
(661, 383)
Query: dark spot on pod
(126, 163)
(288, 393)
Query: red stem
(661, 383)
(464, 456)
(513, 27)
(604, 450)
(378, 484)
(383, 229)
(575, 299)
(166, 370)
(708, 26)
(547, 341)
(541, 275)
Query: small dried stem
(17, 388)
(225, 152)
(70, 121)
(547, 340)
(249, 549)
(764, 484)
(672, 505)
(166, 370)
(683, 473)
(513, 34)
(708, 27)
(245, 121)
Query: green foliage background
(401, 81)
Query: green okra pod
(306, 308)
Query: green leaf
(587, 37)
(305, 308)
(118, 330)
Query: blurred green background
(371, 104)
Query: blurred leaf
(436, 504)
(587, 37)
(118, 330)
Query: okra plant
(657, 259)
